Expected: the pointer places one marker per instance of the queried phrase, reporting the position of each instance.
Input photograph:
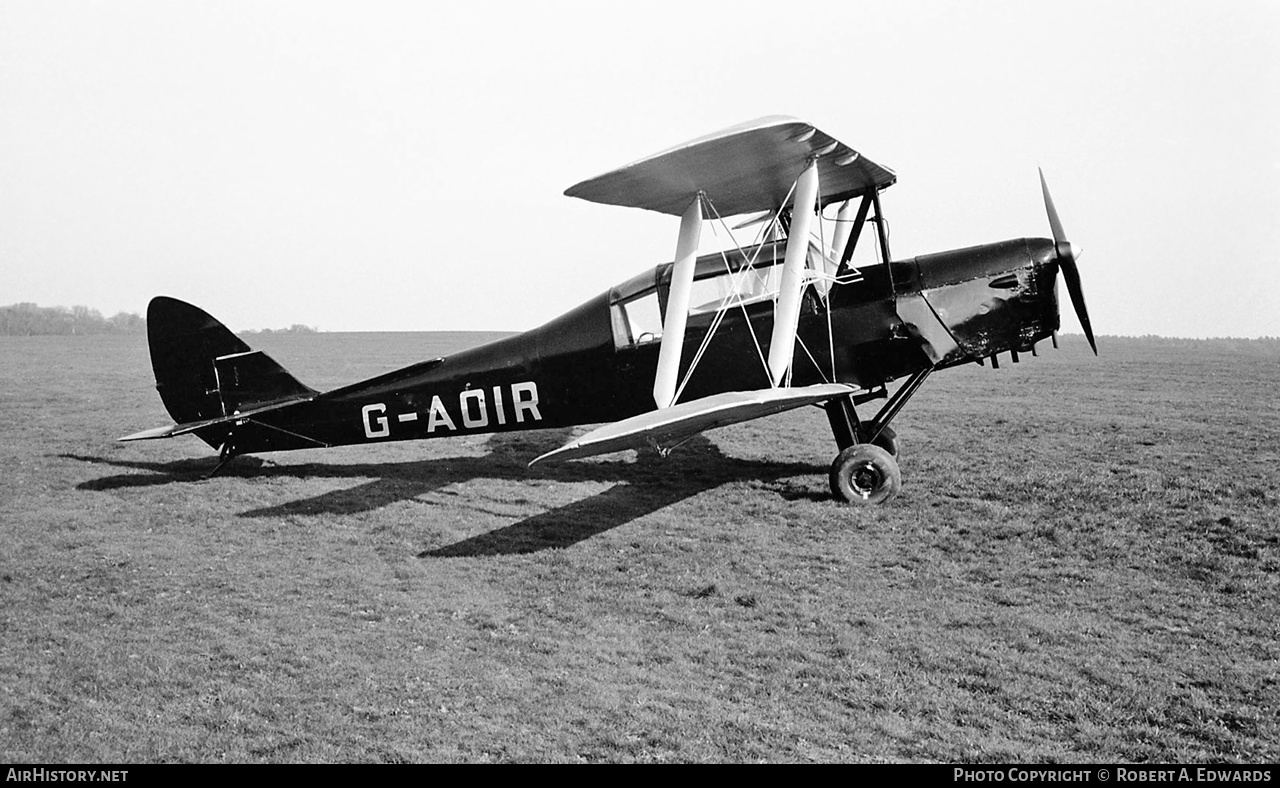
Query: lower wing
(667, 427)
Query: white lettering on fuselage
(438, 416)
(475, 396)
(497, 405)
(525, 398)
(474, 408)
(375, 427)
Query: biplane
(783, 321)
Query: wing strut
(664, 382)
(787, 313)
(844, 228)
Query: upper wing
(744, 168)
(674, 424)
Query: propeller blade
(1055, 224)
(1067, 264)
(1071, 275)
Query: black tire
(865, 474)
(887, 440)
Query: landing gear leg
(866, 470)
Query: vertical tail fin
(203, 371)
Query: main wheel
(865, 474)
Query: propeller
(1067, 264)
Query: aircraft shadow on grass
(641, 487)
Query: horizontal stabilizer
(669, 426)
(152, 434)
(193, 426)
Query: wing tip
(556, 455)
(151, 434)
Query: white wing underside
(666, 427)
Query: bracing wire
(748, 269)
(749, 262)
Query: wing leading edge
(744, 168)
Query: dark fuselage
(597, 362)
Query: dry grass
(1082, 567)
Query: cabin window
(637, 320)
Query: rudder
(203, 371)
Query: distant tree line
(30, 320)
(296, 328)
(25, 320)
(1267, 344)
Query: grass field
(1084, 565)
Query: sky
(400, 166)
